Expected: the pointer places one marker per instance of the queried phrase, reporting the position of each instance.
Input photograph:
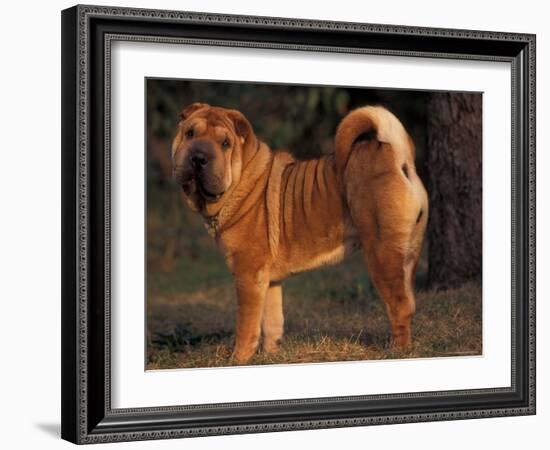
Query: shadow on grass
(183, 336)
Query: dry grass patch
(197, 330)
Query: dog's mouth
(206, 194)
(191, 182)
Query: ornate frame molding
(80, 418)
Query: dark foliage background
(300, 118)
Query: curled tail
(369, 122)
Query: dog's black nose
(199, 160)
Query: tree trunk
(454, 186)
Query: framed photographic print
(281, 224)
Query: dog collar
(212, 224)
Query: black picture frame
(87, 416)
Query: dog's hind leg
(391, 272)
(389, 210)
(273, 319)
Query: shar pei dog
(273, 216)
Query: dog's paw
(271, 346)
(242, 356)
(401, 342)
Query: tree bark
(454, 185)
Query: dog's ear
(193, 107)
(243, 127)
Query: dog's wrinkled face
(207, 152)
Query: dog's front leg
(273, 319)
(251, 293)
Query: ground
(331, 314)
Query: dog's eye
(225, 143)
(190, 133)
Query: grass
(198, 329)
(332, 314)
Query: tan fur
(280, 216)
(273, 319)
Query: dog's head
(209, 152)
